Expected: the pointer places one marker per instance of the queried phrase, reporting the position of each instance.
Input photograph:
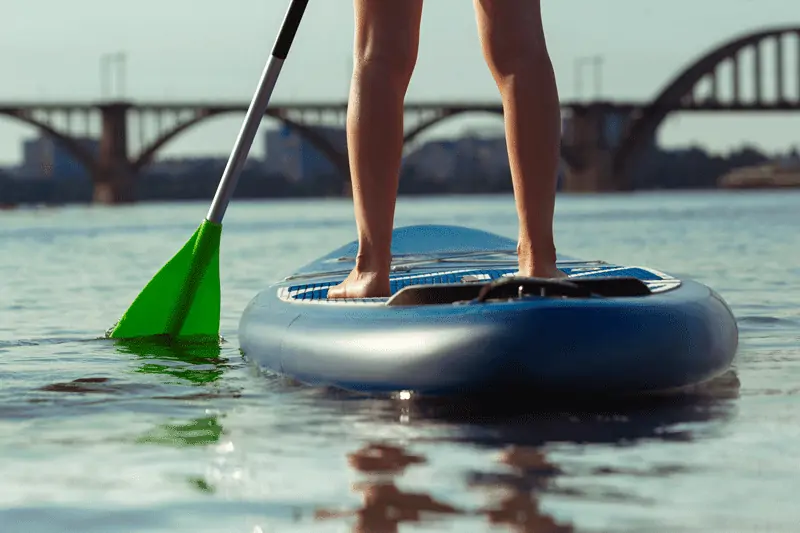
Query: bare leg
(514, 46)
(386, 44)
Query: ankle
(376, 264)
(540, 252)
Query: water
(96, 439)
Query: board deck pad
(656, 281)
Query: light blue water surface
(94, 438)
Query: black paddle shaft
(289, 28)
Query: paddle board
(460, 322)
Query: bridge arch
(566, 155)
(81, 154)
(322, 144)
(643, 128)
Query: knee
(512, 36)
(510, 53)
(394, 61)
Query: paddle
(183, 299)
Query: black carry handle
(517, 287)
(289, 28)
(603, 287)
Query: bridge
(594, 160)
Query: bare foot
(361, 285)
(541, 271)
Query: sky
(177, 50)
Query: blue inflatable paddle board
(459, 322)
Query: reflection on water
(514, 494)
(194, 363)
(384, 505)
(519, 432)
(197, 365)
(198, 432)
(534, 421)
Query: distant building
(449, 159)
(289, 153)
(180, 166)
(782, 172)
(438, 159)
(46, 157)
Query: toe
(337, 291)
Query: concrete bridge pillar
(592, 134)
(592, 176)
(114, 177)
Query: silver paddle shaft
(256, 111)
(247, 133)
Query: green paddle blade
(183, 299)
